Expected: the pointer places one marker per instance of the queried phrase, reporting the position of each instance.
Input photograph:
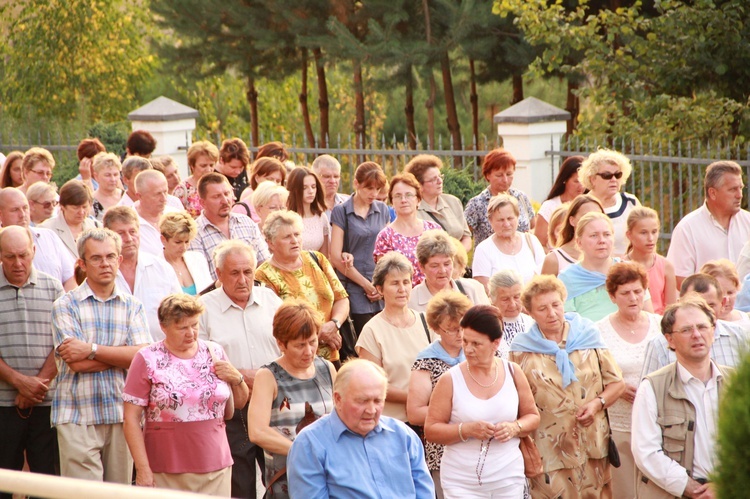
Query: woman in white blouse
(506, 248)
(627, 333)
(177, 230)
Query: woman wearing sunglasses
(603, 173)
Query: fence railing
(666, 176)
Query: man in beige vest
(675, 409)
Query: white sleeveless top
(504, 463)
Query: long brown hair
(567, 233)
(295, 185)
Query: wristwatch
(604, 402)
(93, 352)
(242, 380)
(520, 426)
(338, 324)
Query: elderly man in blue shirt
(354, 452)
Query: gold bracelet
(461, 435)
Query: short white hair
(326, 161)
(226, 248)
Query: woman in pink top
(202, 156)
(643, 233)
(402, 235)
(187, 389)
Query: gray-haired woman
(435, 253)
(505, 294)
(393, 338)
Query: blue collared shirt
(329, 460)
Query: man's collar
(686, 376)
(225, 302)
(339, 428)
(84, 291)
(31, 280)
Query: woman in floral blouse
(573, 378)
(187, 389)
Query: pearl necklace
(497, 373)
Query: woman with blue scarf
(584, 281)
(444, 313)
(574, 378)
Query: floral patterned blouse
(315, 283)
(562, 442)
(175, 389)
(390, 240)
(476, 213)
(188, 194)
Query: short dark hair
(622, 273)
(484, 319)
(75, 193)
(234, 149)
(690, 301)
(88, 148)
(208, 179)
(701, 283)
(141, 142)
(420, 163)
(272, 150)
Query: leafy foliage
(460, 183)
(74, 59)
(732, 476)
(672, 70)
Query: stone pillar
(171, 124)
(528, 129)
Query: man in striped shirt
(98, 328)
(27, 363)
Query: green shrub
(113, 135)
(733, 471)
(461, 184)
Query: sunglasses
(609, 175)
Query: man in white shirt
(718, 229)
(51, 256)
(147, 277)
(239, 317)
(151, 186)
(131, 167)
(730, 339)
(676, 409)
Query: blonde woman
(604, 173)
(177, 229)
(726, 274)
(643, 234)
(585, 281)
(267, 198)
(107, 168)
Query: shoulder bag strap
(426, 329)
(461, 287)
(531, 246)
(435, 219)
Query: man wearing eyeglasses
(730, 339)
(37, 164)
(676, 408)
(718, 229)
(98, 328)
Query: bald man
(356, 452)
(27, 361)
(153, 191)
(51, 256)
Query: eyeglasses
(47, 205)
(98, 259)
(688, 330)
(408, 196)
(434, 180)
(450, 333)
(45, 173)
(609, 175)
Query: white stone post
(528, 129)
(171, 124)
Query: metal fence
(666, 177)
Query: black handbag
(612, 453)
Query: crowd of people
(186, 333)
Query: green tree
(672, 69)
(74, 59)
